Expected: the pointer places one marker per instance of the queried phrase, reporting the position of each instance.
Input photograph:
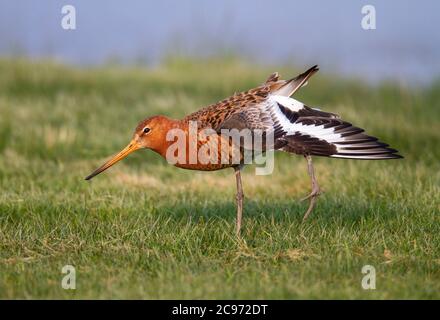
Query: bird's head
(149, 133)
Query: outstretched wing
(300, 129)
(314, 132)
(295, 127)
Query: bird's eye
(146, 130)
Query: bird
(267, 109)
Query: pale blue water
(405, 46)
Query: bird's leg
(316, 191)
(239, 198)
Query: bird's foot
(316, 192)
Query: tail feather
(289, 87)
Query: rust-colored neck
(160, 143)
(186, 155)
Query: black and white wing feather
(313, 132)
(297, 128)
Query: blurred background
(405, 46)
(144, 229)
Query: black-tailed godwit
(269, 108)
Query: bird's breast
(202, 151)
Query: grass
(147, 230)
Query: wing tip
(309, 72)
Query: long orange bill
(132, 146)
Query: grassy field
(148, 230)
